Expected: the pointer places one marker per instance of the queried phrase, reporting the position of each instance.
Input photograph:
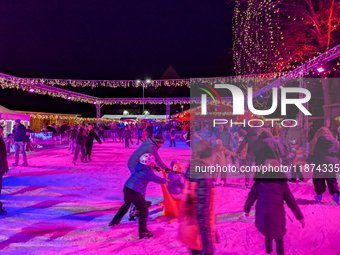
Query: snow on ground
(55, 207)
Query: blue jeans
(20, 146)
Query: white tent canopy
(7, 114)
(136, 117)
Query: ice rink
(55, 207)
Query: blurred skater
(271, 190)
(324, 150)
(127, 136)
(172, 137)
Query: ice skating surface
(55, 207)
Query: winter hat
(147, 159)
(159, 139)
(17, 121)
(176, 161)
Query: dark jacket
(73, 134)
(327, 151)
(92, 135)
(270, 213)
(148, 146)
(141, 177)
(204, 194)
(20, 133)
(81, 139)
(3, 158)
(51, 129)
(296, 133)
(127, 134)
(249, 139)
(63, 128)
(176, 183)
(266, 147)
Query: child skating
(271, 190)
(220, 153)
(176, 180)
(134, 192)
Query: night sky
(111, 40)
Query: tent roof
(7, 114)
(170, 73)
(6, 110)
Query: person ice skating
(176, 180)
(139, 134)
(72, 137)
(324, 150)
(80, 144)
(172, 137)
(89, 141)
(29, 131)
(127, 136)
(3, 166)
(101, 133)
(271, 190)
(220, 153)
(197, 221)
(296, 139)
(134, 192)
(114, 132)
(150, 145)
(249, 139)
(243, 154)
(19, 142)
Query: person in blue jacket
(134, 192)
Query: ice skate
(15, 164)
(112, 224)
(24, 164)
(132, 218)
(90, 159)
(146, 234)
(318, 198)
(2, 210)
(336, 198)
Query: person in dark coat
(19, 142)
(249, 139)
(324, 149)
(89, 141)
(296, 140)
(3, 166)
(127, 136)
(63, 128)
(52, 129)
(139, 134)
(270, 191)
(101, 133)
(134, 192)
(72, 137)
(80, 144)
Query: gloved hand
(167, 170)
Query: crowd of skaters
(255, 146)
